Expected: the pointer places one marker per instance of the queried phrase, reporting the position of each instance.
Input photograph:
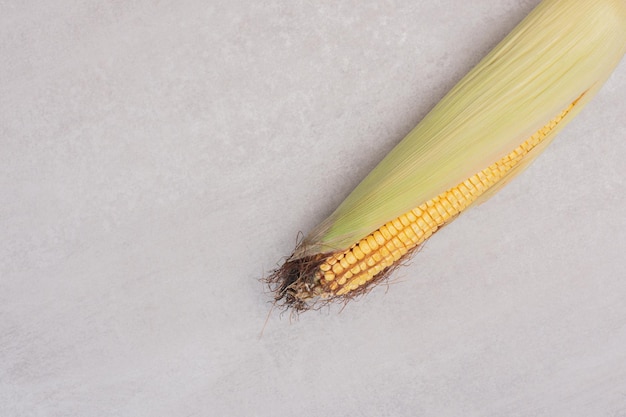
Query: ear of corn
(491, 125)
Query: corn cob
(541, 75)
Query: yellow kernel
(477, 183)
(434, 213)
(410, 234)
(337, 269)
(404, 238)
(421, 223)
(458, 195)
(385, 232)
(364, 247)
(465, 191)
(441, 209)
(372, 242)
(429, 220)
(329, 276)
(446, 206)
(351, 258)
(325, 267)
(488, 173)
(450, 204)
(380, 239)
(417, 230)
(404, 221)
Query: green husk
(563, 49)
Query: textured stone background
(158, 157)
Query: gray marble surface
(158, 157)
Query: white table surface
(158, 157)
